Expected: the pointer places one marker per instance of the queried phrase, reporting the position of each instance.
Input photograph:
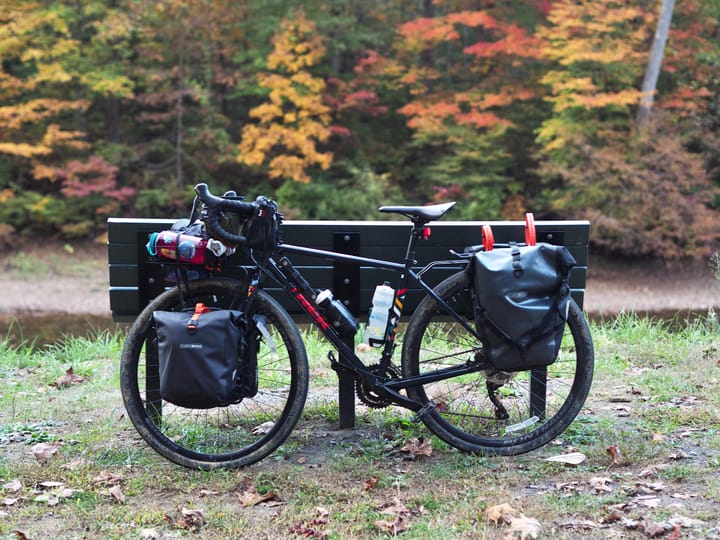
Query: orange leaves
(516, 42)
(462, 109)
(426, 32)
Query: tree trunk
(179, 111)
(656, 56)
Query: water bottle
(382, 302)
(338, 315)
(177, 247)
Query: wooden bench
(134, 281)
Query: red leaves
(69, 379)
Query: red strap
(530, 236)
(488, 239)
(200, 308)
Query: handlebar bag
(521, 303)
(262, 230)
(204, 361)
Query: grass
(655, 399)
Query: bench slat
(130, 272)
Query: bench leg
(538, 392)
(346, 393)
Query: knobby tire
(233, 436)
(540, 404)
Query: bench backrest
(134, 281)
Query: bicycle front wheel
(538, 404)
(232, 436)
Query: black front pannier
(204, 358)
(521, 303)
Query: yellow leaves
(44, 172)
(24, 150)
(266, 112)
(296, 45)
(295, 118)
(36, 110)
(55, 136)
(6, 195)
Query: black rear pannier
(521, 303)
(205, 359)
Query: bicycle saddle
(424, 213)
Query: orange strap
(488, 239)
(200, 308)
(530, 236)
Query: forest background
(334, 107)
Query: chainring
(367, 395)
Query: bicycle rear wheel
(540, 403)
(232, 436)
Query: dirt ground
(56, 278)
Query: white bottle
(382, 302)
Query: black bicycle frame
(295, 284)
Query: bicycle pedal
(423, 411)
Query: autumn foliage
(294, 119)
(114, 108)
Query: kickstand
(500, 410)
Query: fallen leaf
(500, 513)
(47, 498)
(600, 483)
(21, 535)
(648, 501)
(74, 464)
(584, 524)
(263, 428)
(417, 447)
(653, 530)
(396, 508)
(191, 520)
(13, 486)
(46, 450)
(117, 494)
(253, 498)
(527, 527)
(614, 452)
(68, 379)
(678, 455)
(66, 493)
(650, 487)
(573, 458)
(675, 533)
(51, 484)
(370, 484)
(397, 525)
(107, 478)
(313, 528)
(684, 496)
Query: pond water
(50, 328)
